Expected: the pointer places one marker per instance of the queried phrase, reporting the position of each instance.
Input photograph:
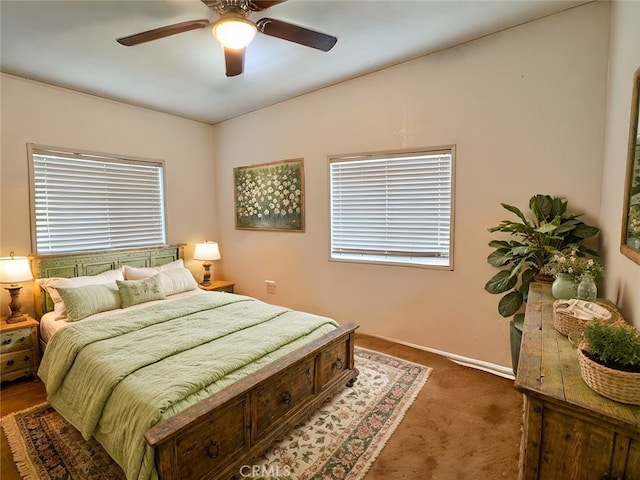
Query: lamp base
(16, 315)
(16, 318)
(206, 279)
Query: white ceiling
(72, 44)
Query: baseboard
(493, 368)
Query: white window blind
(89, 202)
(392, 208)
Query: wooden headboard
(92, 263)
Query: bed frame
(216, 437)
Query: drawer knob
(6, 341)
(214, 449)
(10, 362)
(338, 364)
(286, 397)
(26, 358)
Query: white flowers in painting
(269, 196)
(633, 228)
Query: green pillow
(80, 302)
(133, 292)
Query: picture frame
(270, 196)
(630, 237)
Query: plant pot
(543, 278)
(565, 286)
(614, 384)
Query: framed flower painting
(630, 245)
(270, 196)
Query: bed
(166, 381)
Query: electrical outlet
(271, 286)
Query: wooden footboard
(216, 437)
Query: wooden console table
(570, 432)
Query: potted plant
(569, 267)
(609, 358)
(550, 230)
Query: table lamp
(206, 252)
(14, 270)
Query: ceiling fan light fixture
(234, 31)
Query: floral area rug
(339, 441)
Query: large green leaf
(515, 271)
(526, 279)
(541, 206)
(518, 319)
(512, 227)
(547, 228)
(515, 210)
(567, 226)
(500, 257)
(524, 251)
(529, 274)
(501, 282)
(510, 304)
(558, 206)
(499, 244)
(585, 231)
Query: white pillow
(174, 278)
(139, 273)
(50, 285)
(177, 281)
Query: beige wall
(525, 109)
(36, 113)
(622, 275)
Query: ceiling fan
(235, 31)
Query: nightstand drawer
(218, 286)
(225, 289)
(16, 339)
(24, 359)
(19, 349)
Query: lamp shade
(206, 251)
(234, 31)
(15, 270)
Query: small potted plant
(609, 360)
(568, 267)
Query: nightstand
(219, 286)
(19, 351)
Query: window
(393, 208)
(83, 201)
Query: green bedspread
(115, 377)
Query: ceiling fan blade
(234, 61)
(296, 34)
(162, 32)
(259, 5)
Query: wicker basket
(614, 384)
(566, 324)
